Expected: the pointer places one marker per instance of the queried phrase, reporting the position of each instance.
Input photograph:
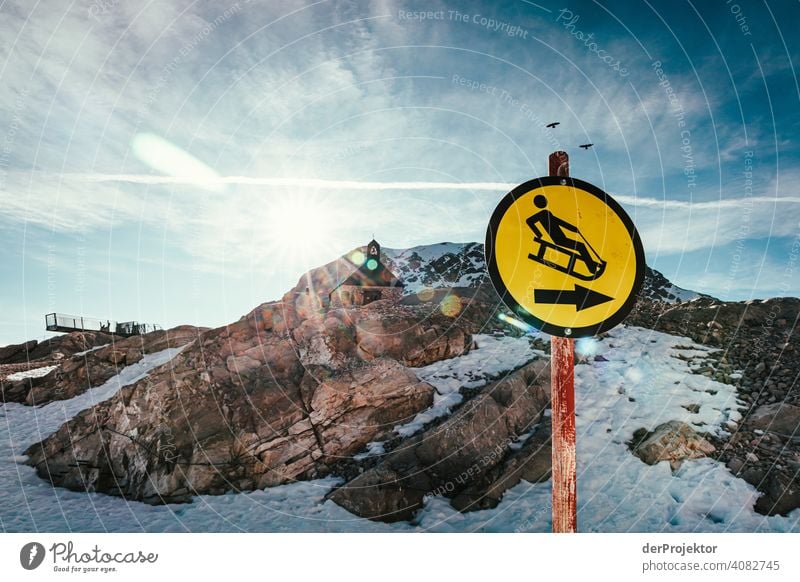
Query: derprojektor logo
(31, 555)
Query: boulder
(16, 353)
(462, 454)
(781, 495)
(531, 463)
(672, 441)
(400, 334)
(779, 418)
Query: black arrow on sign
(580, 297)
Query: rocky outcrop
(386, 331)
(531, 462)
(276, 397)
(78, 373)
(16, 353)
(66, 345)
(467, 458)
(672, 441)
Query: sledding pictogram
(564, 256)
(555, 248)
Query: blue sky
(264, 129)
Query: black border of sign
(521, 312)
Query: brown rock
(781, 495)
(455, 455)
(532, 463)
(673, 441)
(400, 335)
(779, 418)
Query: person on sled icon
(569, 255)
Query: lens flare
(587, 346)
(425, 294)
(450, 305)
(171, 160)
(516, 323)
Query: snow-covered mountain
(463, 265)
(439, 265)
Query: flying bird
(552, 125)
(586, 146)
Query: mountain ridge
(463, 265)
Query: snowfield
(638, 382)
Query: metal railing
(67, 323)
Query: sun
(303, 228)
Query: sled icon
(576, 258)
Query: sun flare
(303, 229)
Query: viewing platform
(68, 323)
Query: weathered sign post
(562, 407)
(565, 258)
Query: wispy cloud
(321, 184)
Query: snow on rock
(32, 424)
(493, 357)
(438, 265)
(641, 384)
(94, 349)
(32, 373)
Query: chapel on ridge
(371, 281)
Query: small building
(370, 282)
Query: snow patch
(94, 349)
(33, 373)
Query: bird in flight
(586, 146)
(551, 125)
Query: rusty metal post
(562, 386)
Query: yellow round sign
(564, 256)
